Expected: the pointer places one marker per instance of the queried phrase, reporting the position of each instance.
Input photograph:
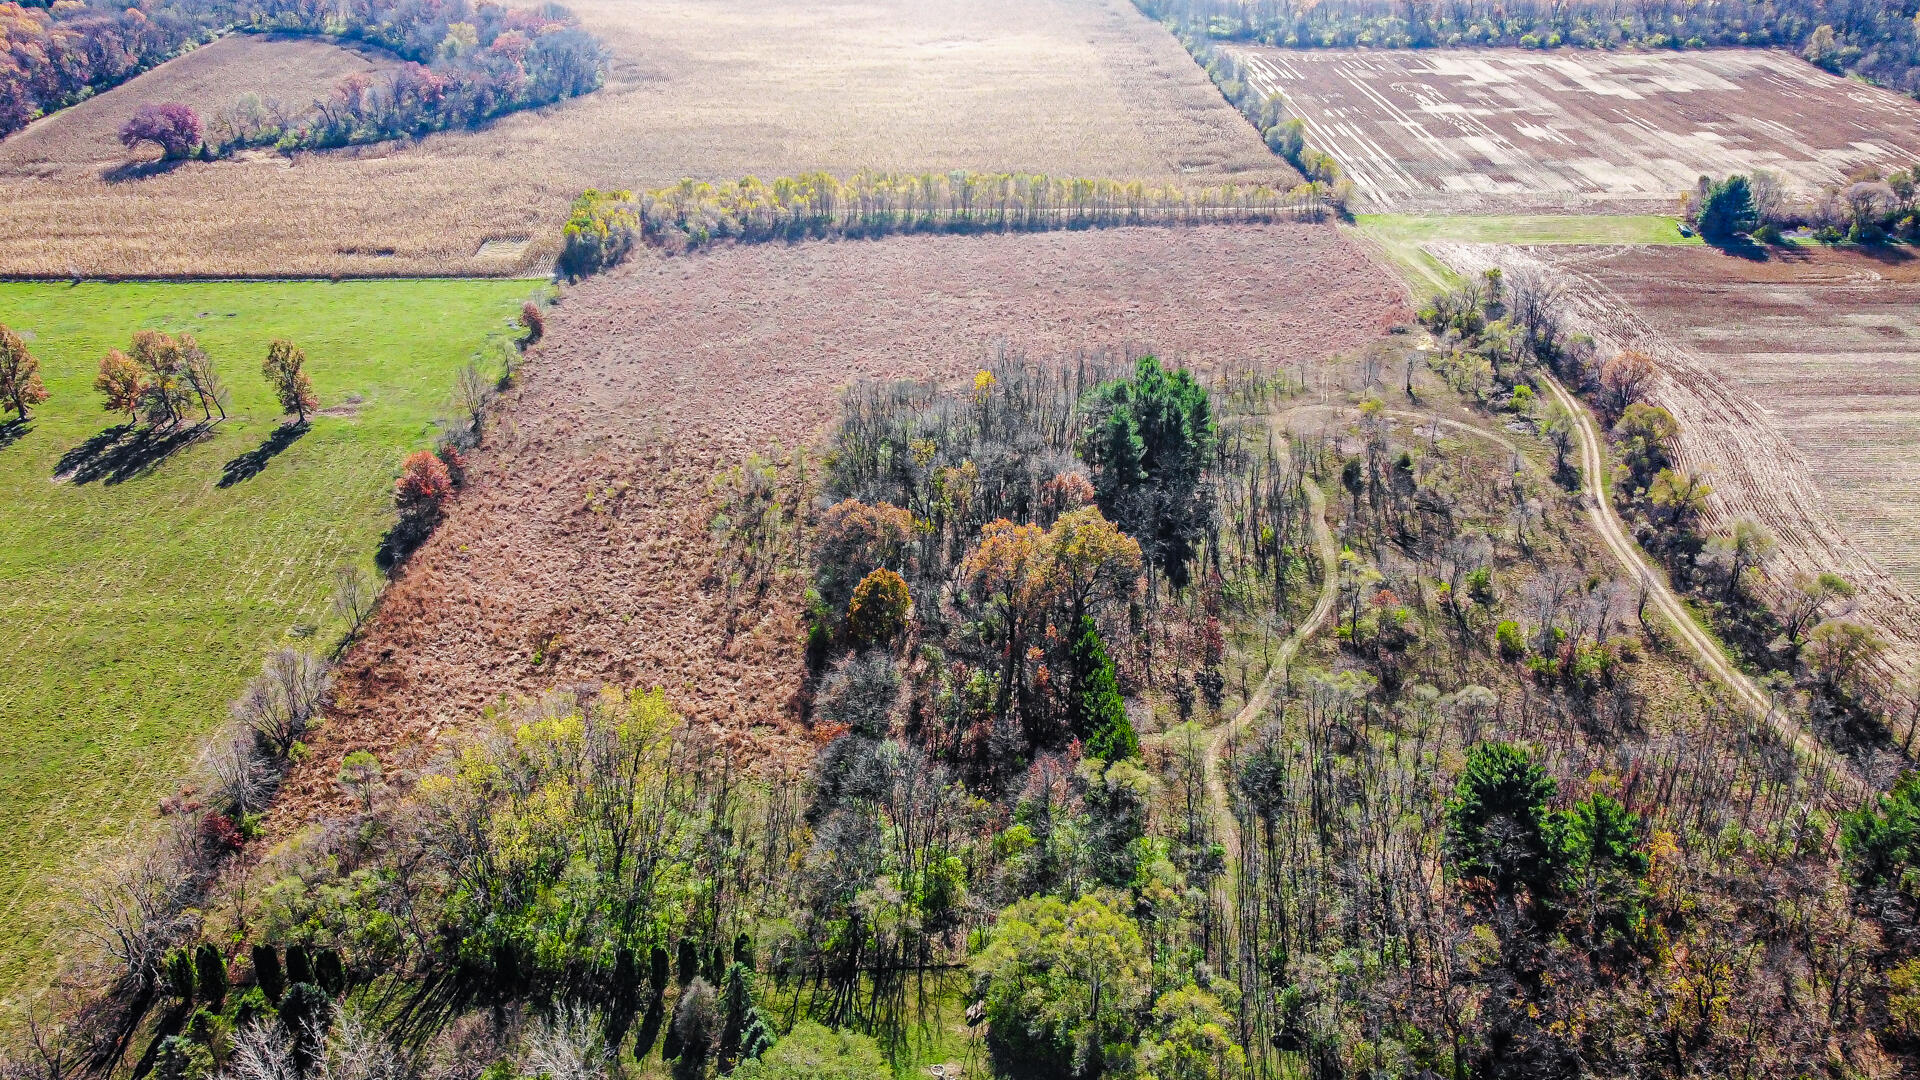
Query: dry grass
(581, 548)
(698, 88)
(1501, 130)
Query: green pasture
(138, 593)
(1403, 237)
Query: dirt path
(1606, 521)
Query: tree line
(465, 64)
(605, 224)
(1874, 41)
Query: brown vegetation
(583, 547)
(1074, 87)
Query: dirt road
(1606, 521)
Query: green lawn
(1403, 236)
(135, 603)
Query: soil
(1576, 130)
(672, 370)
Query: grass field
(1403, 237)
(134, 603)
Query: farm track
(1727, 436)
(1606, 521)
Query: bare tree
(45, 1054)
(353, 598)
(237, 775)
(205, 382)
(263, 1050)
(136, 905)
(355, 1051)
(284, 700)
(471, 393)
(1533, 304)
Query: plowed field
(1499, 130)
(1796, 381)
(581, 549)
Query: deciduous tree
(285, 372)
(20, 386)
(173, 127)
(120, 383)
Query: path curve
(1612, 530)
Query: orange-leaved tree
(20, 387)
(878, 612)
(285, 370)
(120, 383)
(162, 360)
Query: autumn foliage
(20, 386)
(424, 486)
(173, 127)
(878, 611)
(285, 371)
(120, 383)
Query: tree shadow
(123, 452)
(250, 464)
(128, 171)
(13, 431)
(1884, 252)
(1740, 247)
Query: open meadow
(142, 591)
(584, 548)
(695, 89)
(1490, 130)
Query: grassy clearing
(1403, 237)
(136, 603)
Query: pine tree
(1096, 712)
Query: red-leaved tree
(424, 487)
(174, 127)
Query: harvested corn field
(1504, 130)
(584, 547)
(695, 89)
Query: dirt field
(1494, 130)
(669, 372)
(698, 88)
(1797, 385)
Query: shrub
(174, 127)
(813, 1052)
(1507, 636)
(878, 611)
(599, 233)
(534, 323)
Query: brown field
(582, 540)
(1796, 381)
(697, 88)
(1504, 130)
(82, 144)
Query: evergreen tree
(1499, 824)
(1095, 710)
(1149, 442)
